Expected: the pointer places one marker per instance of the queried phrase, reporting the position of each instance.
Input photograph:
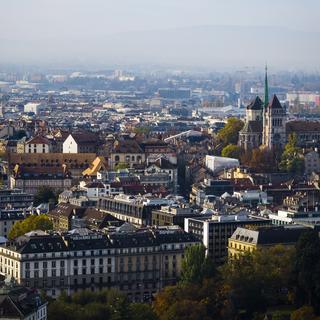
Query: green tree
(142, 130)
(232, 151)
(229, 134)
(259, 279)
(58, 310)
(307, 270)
(45, 195)
(33, 222)
(121, 166)
(292, 159)
(142, 311)
(195, 265)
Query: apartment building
(136, 210)
(215, 230)
(247, 240)
(15, 198)
(138, 263)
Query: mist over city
(159, 160)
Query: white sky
(32, 30)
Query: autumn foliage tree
(33, 222)
(259, 279)
(260, 160)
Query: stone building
(139, 263)
(267, 125)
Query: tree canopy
(292, 159)
(229, 134)
(33, 222)
(121, 166)
(45, 195)
(232, 151)
(105, 305)
(195, 265)
(260, 160)
(256, 283)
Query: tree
(260, 160)
(195, 265)
(292, 159)
(229, 134)
(33, 222)
(232, 151)
(145, 130)
(142, 311)
(121, 166)
(304, 313)
(45, 195)
(259, 279)
(306, 275)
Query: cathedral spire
(266, 89)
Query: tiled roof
(268, 235)
(127, 146)
(85, 137)
(275, 103)
(299, 126)
(38, 140)
(256, 104)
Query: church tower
(265, 106)
(274, 121)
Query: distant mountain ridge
(211, 46)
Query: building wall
(138, 271)
(214, 235)
(128, 158)
(32, 185)
(70, 145)
(37, 148)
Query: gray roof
(268, 235)
(275, 103)
(252, 127)
(256, 104)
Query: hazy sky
(80, 31)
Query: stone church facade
(266, 125)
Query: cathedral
(266, 125)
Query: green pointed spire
(266, 89)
